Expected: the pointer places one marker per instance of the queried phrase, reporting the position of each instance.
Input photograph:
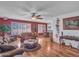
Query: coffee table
(31, 45)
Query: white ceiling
(18, 9)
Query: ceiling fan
(34, 13)
(36, 16)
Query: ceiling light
(33, 18)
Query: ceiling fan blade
(24, 7)
(33, 14)
(21, 11)
(40, 18)
(43, 8)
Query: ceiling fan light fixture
(33, 18)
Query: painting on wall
(71, 23)
(5, 28)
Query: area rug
(34, 49)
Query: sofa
(12, 53)
(8, 47)
(72, 41)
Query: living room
(31, 29)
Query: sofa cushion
(4, 48)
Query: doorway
(34, 27)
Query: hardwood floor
(50, 49)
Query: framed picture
(5, 28)
(71, 23)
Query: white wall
(66, 32)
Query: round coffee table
(31, 45)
